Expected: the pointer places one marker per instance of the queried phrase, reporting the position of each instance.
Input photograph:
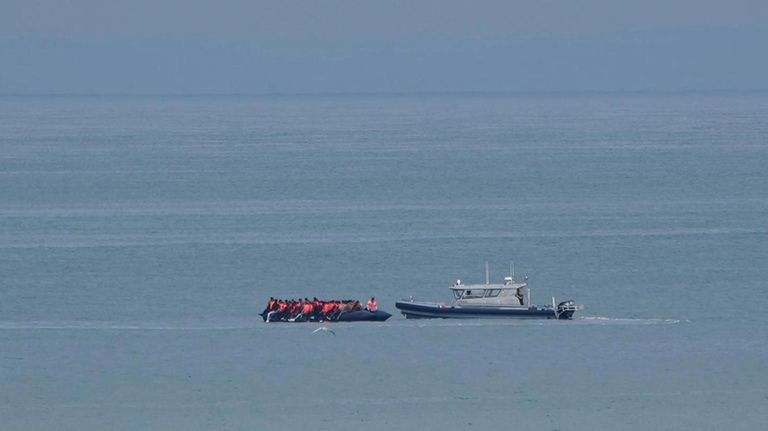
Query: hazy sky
(284, 46)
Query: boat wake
(590, 320)
(576, 321)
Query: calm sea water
(140, 237)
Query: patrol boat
(508, 300)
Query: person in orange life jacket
(372, 305)
(299, 308)
(306, 310)
(336, 310)
(327, 309)
(289, 306)
(295, 308)
(317, 306)
(271, 307)
(279, 312)
(270, 304)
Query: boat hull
(364, 316)
(427, 310)
(350, 316)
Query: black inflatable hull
(364, 316)
(350, 316)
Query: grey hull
(427, 310)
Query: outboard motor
(566, 309)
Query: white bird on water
(323, 328)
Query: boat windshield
(469, 293)
(476, 293)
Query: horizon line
(386, 93)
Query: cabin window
(473, 293)
(457, 294)
(492, 293)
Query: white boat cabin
(508, 294)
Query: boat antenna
(487, 279)
(512, 270)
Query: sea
(141, 236)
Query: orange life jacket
(372, 306)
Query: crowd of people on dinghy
(315, 310)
